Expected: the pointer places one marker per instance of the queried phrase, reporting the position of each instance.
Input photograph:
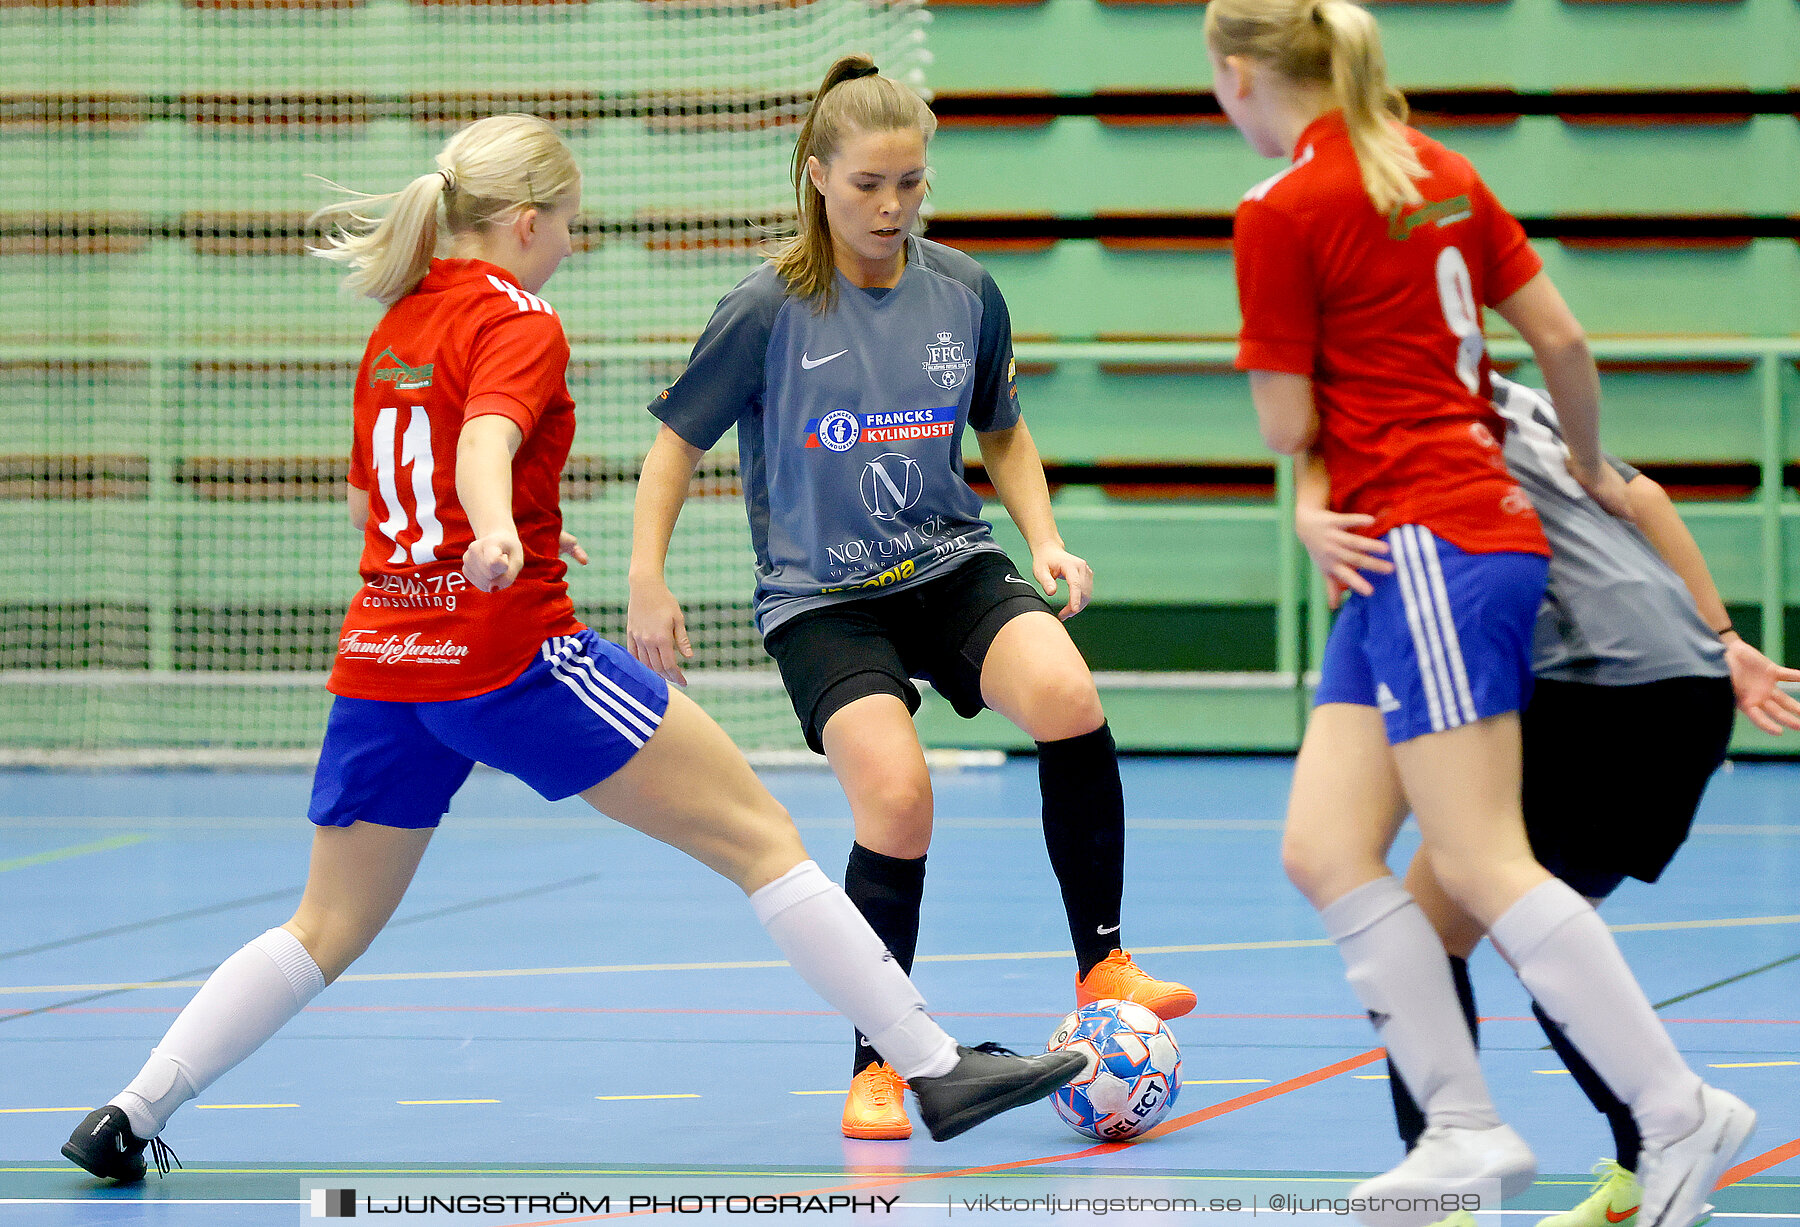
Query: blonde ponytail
(853, 97)
(1337, 44)
(1373, 109)
(494, 168)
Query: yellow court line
(1752, 1064)
(219, 1107)
(763, 964)
(1729, 923)
(46, 1109)
(63, 854)
(684, 1096)
(1549, 1071)
(1370, 1077)
(1225, 1082)
(417, 1103)
(618, 968)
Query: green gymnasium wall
(172, 373)
(1653, 151)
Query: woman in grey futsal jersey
(1638, 671)
(851, 364)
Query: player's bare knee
(1466, 880)
(1068, 707)
(1304, 863)
(762, 845)
(333, 945)
(893, 815)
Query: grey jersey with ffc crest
(850, 423)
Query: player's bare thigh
(1345, 806)
(691, 787)
(874, 750)
(1035, 676)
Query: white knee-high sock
(249, 998)
(829, 943)
(1563, 953)
(1401, 974)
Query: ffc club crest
(947, 361)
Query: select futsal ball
(1133, 1070)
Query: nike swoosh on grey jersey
(808, 363)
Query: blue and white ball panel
(1443, 642)
(572, 718)
(1133, 1070)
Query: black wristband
(1724, 630)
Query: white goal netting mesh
(175, 371)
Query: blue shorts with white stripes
(1444, 641)
(574, 716)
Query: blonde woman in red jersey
(462, 646)
(1362, 270)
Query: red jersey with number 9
(467, 342)
(1383, 313)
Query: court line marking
(1660, 926)
(1762, 1163)
(63, 854)
(756, 1013)
(1751, 1064)
(419, 1103)
(1742, 975)
(46, 1109)
(1733, 1176)
(1225, 1082)
(1298, 1082)
(161, 1200)
(152, 922)
(908, 1205)
(764, 964)
(326, 1171)
(682, 1095)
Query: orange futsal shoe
(1116, 977)
(875, 1109)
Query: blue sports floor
(564, 1007)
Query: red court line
(1762, 1163)
(575, 1009)
(1300, 1082)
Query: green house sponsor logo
(1401, 224)
(391, 368)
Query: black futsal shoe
(104, 1144)
(986, 1081)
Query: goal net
(175, 371)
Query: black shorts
(939, 630)
(1613, 774)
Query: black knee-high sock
(887, 891)
(1617, 1114)
(1407, 1116)
(1084, 832)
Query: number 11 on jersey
(413, 448)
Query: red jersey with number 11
(1384, 315)
(467, 342)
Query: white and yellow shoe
(1613, 1201)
